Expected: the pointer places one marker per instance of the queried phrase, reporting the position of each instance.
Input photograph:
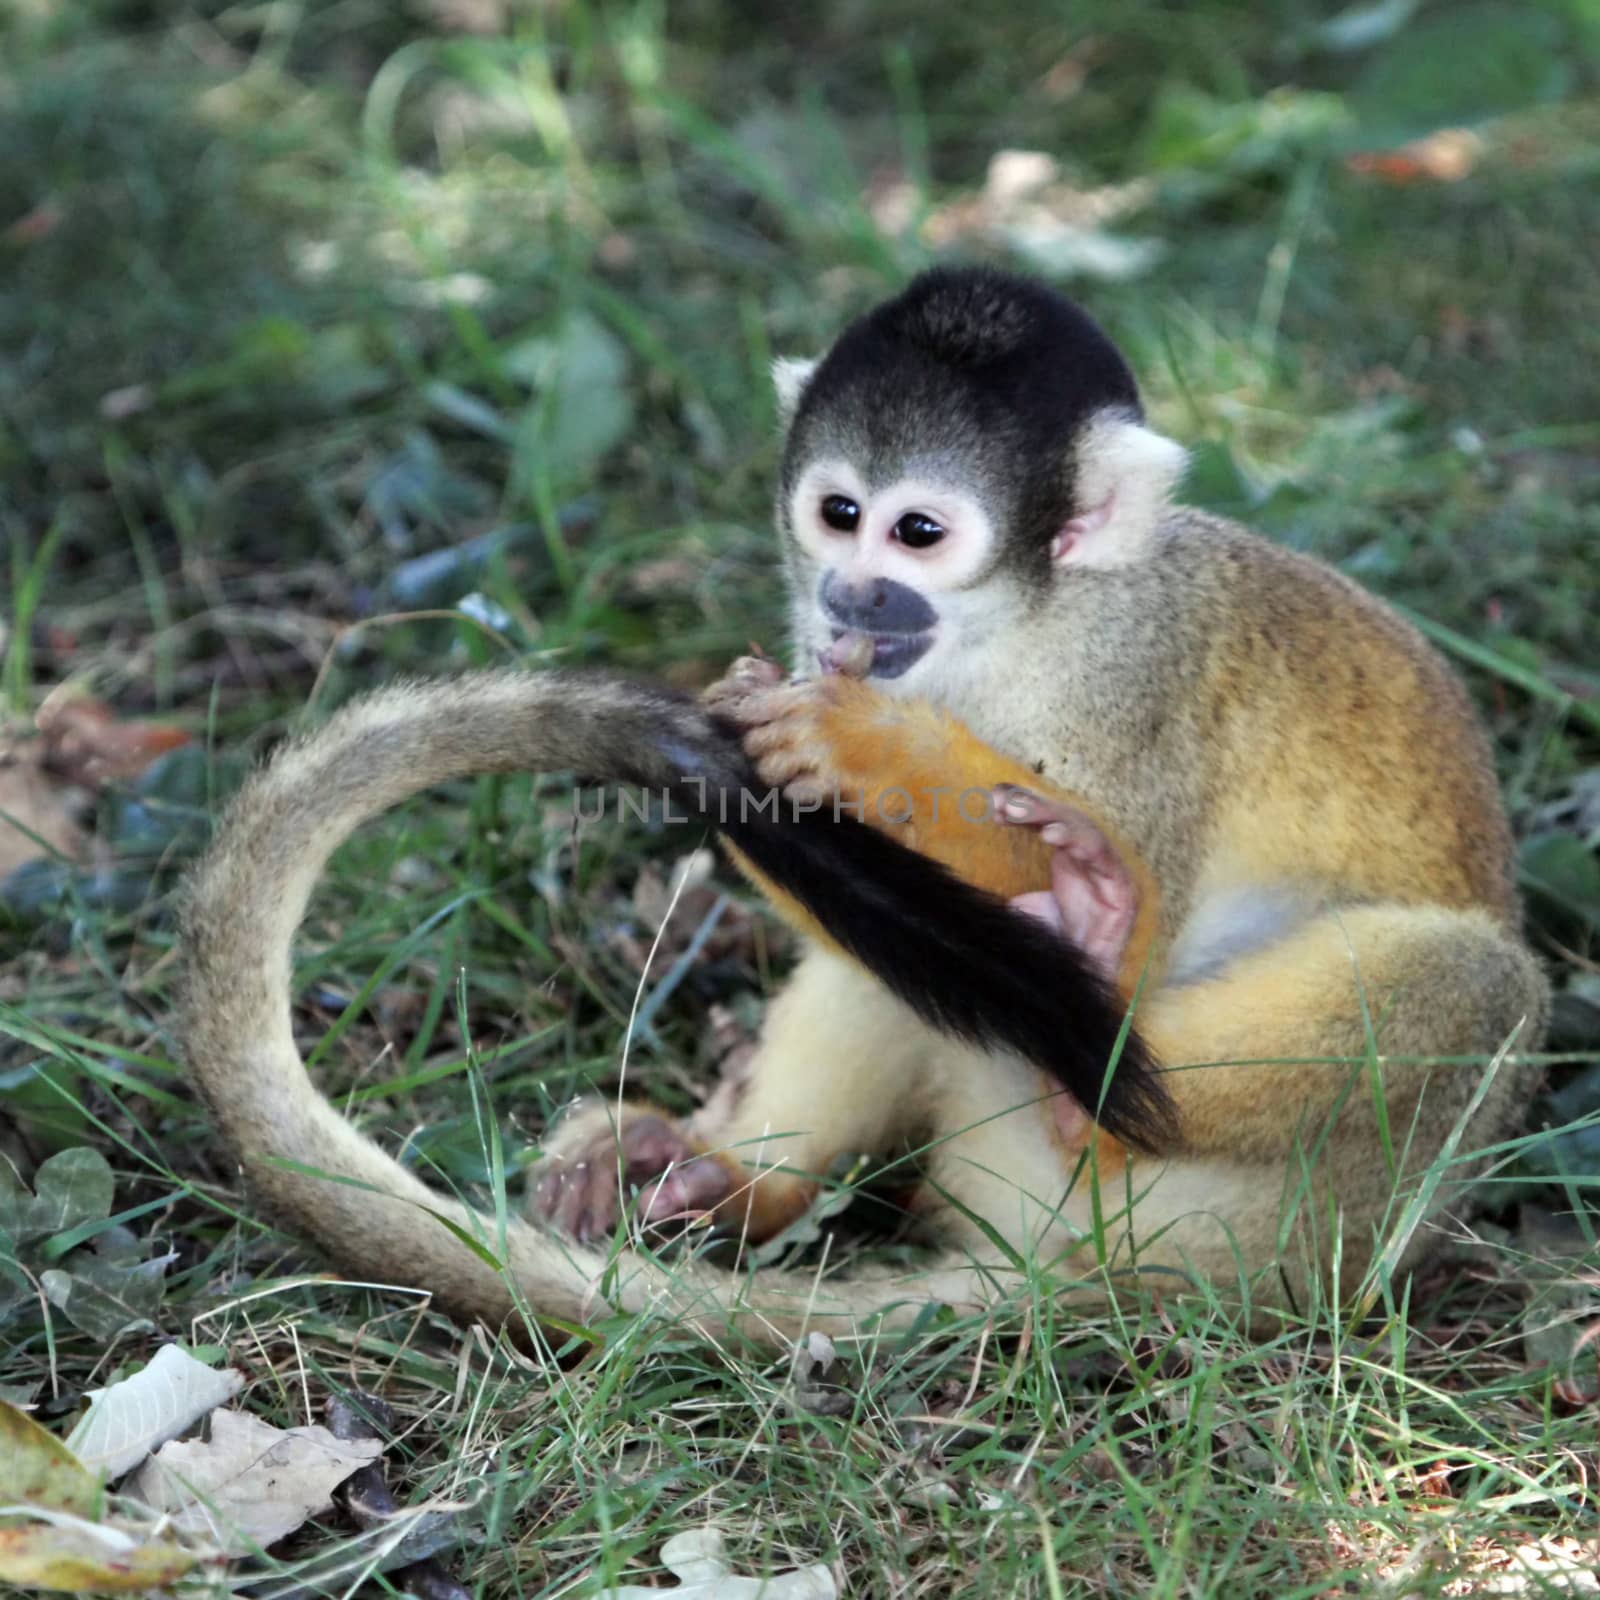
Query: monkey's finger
(551, 1200)
(850, 655)
(1062, 827)
(1098, 905)
(763, 707)
(650, 1144)
(1042, 905)
(809, 789)
(782, 744)
(748, 674)
(601, 1206)
(789, 770)
(756, 669)
(1022, 806)
(1091, 857)
(547, 1191)
(1009, 803)
(585, 1205)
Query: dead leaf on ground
(128, 1420)
(36, 1469)
(1027, 206)
(250, 1484)
(86, 745)
(1446, 156)
(697, 1561)
(809, 1387)
(682, 910)
(34, 225)
(38, 814)
(46, 774)
(48, 1536)
(73, 1556)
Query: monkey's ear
(1124, 480)
(790, 375)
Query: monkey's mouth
(891, 654)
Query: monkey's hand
(791, 728)
(1092, 899)
(921, 776)
(600, 1155)
(899, 765)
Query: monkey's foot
(1092, 899)
(576, 1188)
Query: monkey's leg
(1271, 1072)
(1296, 1153)
(842, 1068)
(837, 1070)
(1434, 983)
(931, 783)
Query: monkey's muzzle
(881, 628)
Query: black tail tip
(1137, 1107)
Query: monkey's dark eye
(918, 531)
(841, 513)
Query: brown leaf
(673, 912)
(1446, 156)
(34, 225)
(86, 745)
(79, 745)
(1027, 205)
(36, 810)
(250, 1484)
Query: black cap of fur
(997, 371)
(961, 958)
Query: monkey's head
(961, 453)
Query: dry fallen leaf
(48, 1539)
(684, 914)
(56, 1551)
(37, 811)
(1027, 206)
(85, 744)
(38, 1470)
(250, 1484)
(44, 776)
(34, 225)
(1446, 156)
(696, 1560)
(130, 1419)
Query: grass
(301, 299)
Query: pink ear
(1073, 533)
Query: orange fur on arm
(924, 778)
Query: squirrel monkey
(1224, 786)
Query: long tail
(946, 948)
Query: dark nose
(880, 605)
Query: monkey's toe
(579, 1198)
(579, 1193)
(686, 1191)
